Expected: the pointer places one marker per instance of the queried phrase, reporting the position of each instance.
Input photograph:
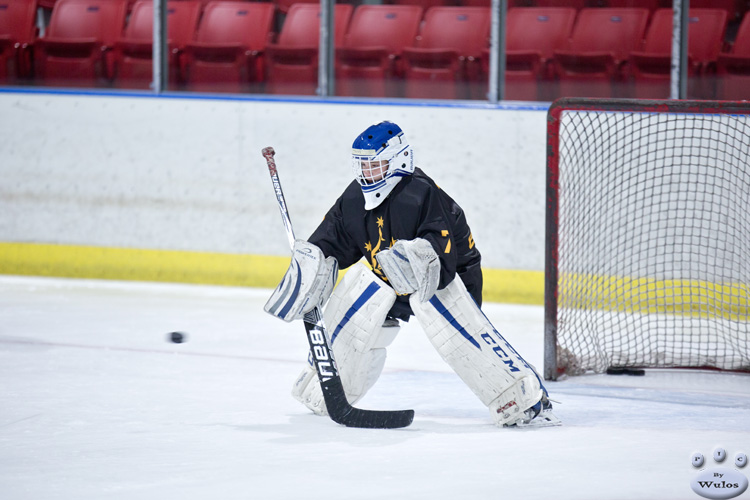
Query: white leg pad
(481, 357)
(354, 318)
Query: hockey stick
(338, 407)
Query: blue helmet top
(381, 156)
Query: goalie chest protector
(416, 207)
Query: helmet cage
(379, 170)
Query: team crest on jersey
(372, 251)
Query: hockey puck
(635, 372)
(178, 337)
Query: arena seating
(133, 51)
(575, 4)
(651, 66)
(77, 46)
(447, 54)
(370, 56)
(488, 3)
(226, 54)
(651, 5)
(17, 34)
(284, 5)
(733, 67)
(533, 33)
(602, 38)
(425, 4)
(292, 62)
(401, 48)
(733, 8)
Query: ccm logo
(500, 352)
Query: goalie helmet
(381, 156)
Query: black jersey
(416, 208)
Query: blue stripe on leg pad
(447, 315)
(364, 297)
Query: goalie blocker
(307, 283)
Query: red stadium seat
(575, 4)
(533, 34)
(133, 52)
(292, 63)
(47, 4)
(488, 3)
(733, 68)
(475, 3)
(226, 54)
(602, 39)
(285, 5)
(448, 52)
(17, 33)
(651, 5)
(371, 53)
(76, 48)
(651, 67)
(733, 8)
(425, 4)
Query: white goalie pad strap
(475, 350)
(508, 408)
(354, 318)
(307, 283)
(411, 267)
(306, 390)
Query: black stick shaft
(338, 407)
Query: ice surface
(95, 403)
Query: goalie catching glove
(307, 283)
(412, 267)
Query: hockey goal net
(647, 235)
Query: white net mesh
(653, 254)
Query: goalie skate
(539, 415)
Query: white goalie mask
(381, 156)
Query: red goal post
(647, 258)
